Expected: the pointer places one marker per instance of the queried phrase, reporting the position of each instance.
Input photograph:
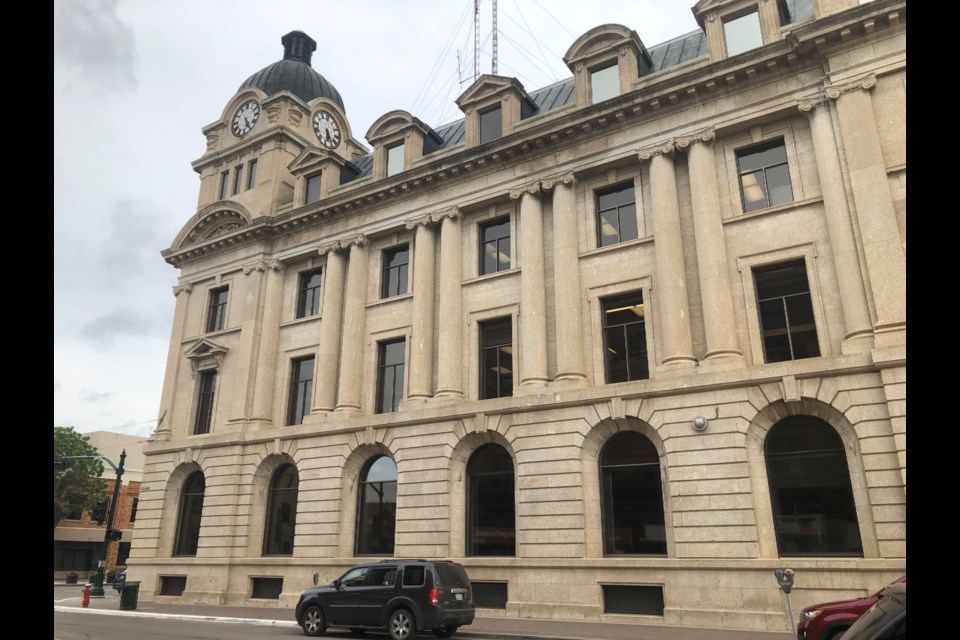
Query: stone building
(622, 345)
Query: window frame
(272, 510)
(472, 501)
(482, 225)
(595, 297)
(361, 483)
(498, 107)
(729, 18)
(307, 182)
(178, 538)
(481, 386)
(388, 153)
(599, 68)
(303, 278)
(217, 311)
(224, 184)
(760, 147)
(203, 419)
(758, 136)
(237, 179)
(791, 329)
(397, 380)
(251, 174)
(604, 301)
(403, 271)
(294, 416)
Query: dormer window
(491, 124)
(395, 159)
(743, 33)
(605, 83)
(313, 188)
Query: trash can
(72, 577)
(128, 595)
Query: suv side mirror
(336, 584)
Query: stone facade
(831, 88)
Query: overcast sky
(136, 80)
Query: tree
(76, 483)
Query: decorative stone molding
(434, 217)
(180, 288)
(706, 136)
(262, 265)
(295, 117)
(533, 188)
(332, 247)
(807, 107)
(866, 83)
(666, 148)
(360, 240)
(205, 354)
(711, 17)
(280, 145)
(213, 140)
(566, 177)
(273, 113)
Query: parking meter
(316, 578)
(784, 579)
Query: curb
(176, 616)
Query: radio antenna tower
(494, 37)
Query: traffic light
(99, 512)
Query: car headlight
(809, 615)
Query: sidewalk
(67, 598)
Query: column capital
(263, 265)
(808, 107)
(359, 240)
(666, 148)
(705, 136)
(331, 247)
(550, 182)
(866, 83)
(533, 188)
(434, 217)
(180, 288)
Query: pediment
(599, 40)
(311, 157)
(487, 85)
(213, 220)
(205, 354)
(394, 122)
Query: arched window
(632, 496)
(491, 526)
(810, 492)
(188, 519)
(281, 517)
(377, 510)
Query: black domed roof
(294, 73)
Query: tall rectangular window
(217, 312)
(764, 176)
(496, 358)
(786, 312)
(605, 83)
(308, 293)
(390, 361)
(495, 246)
(237, 178)
(395, 159)
(224, 181)
(625, 338)
(393, 281)
(208, 385)
(251, 174)
(616, 215)
(743, 33)
(313, 189)
(491, 125)
(301, 390)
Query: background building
(622, 345)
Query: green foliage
(77, 485)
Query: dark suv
(401, 596)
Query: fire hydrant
(85, 602)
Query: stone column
(450, 343)
(533, 298)
(421, 333)
(566, 278)
(354, 327)
(876, 216)
(174, 358)
(856, 314)
(715, 292)
(331, 325)
(674, 310)
(263, 376)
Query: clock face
(246, 117)
(328, 133)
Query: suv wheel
(445, 631)
(401, 625)
(314, 622)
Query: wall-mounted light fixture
(699, 423)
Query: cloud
(121, 321)
(133, 241)
(88, 395)
(90, 37)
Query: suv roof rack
(404, 560)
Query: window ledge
(304, 320)
(616, 246)
(381, 301)
(211, 334)
(492, 276)
(796, 204)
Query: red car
(829, 620)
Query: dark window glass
(394, 160)
(208, 386)
(413, 576)
(491, 524)
(495, 246)
(133, 509)
(217, 313)
(491, 125)
(625, 338)
(490, 595)
(75, 556)
(267, 588)
(764, 176)
(632, 498)
(313, 189)
(172, 585)
(252, 174)
(496, 359)
(301, 390)
(237, 178)
(384, 576)
(786, 312)
(377, 510)
(191, 509)
(396, 262)
(616, 215)
(810, 491)
(281, 512)
(74, 513)
(624, 598)
(308, 293)
(390, 375)
(354, 577)
(123, 553)
(224, 181)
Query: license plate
(458, 596)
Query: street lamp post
(96, 590)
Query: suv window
(382, 577)
(451, 575)
(413, 576)
(354, 577)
